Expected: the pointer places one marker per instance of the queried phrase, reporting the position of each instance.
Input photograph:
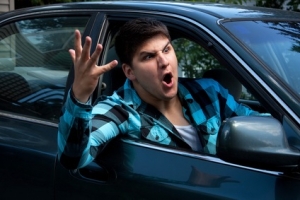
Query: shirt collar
(129, 95)
(131, 98)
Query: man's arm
(232, 108)
(227, 107)
(73, 133)
(74, 142)
(84, 130)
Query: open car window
(194, 61)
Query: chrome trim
(28, 119)
(197, 156)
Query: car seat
(13, 86)
(114, 78)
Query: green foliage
(193, 59)
(279, 4)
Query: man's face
(154, 70)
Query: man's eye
(166, 50)
(148, 57)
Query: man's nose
(162, 60)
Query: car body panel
(177, 175)
(28, 154)
(130, 169)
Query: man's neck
(172, 110)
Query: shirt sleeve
(83, 131)
(232, 108)
(227, 107)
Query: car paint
(134, 169)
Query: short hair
(134, 33)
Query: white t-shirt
(190, 136)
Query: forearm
(73, 133)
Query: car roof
(219, 11)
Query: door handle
(94, 172)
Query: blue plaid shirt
(84, 129)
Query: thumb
(105, 68)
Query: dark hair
(134, 33)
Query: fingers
(81, 55)
(85, 54)
(72, 54)
(95, 56)
(77, 44)
(110, 65)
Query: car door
(34, 64)
(150, 171)
(134, 169)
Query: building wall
(7, 5)
(5, 53)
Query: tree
(193, 59)
(280, 4)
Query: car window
(278, 48)
(195, 61)
(34, 64)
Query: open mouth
(168, 78)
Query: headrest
(227, 80)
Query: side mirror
(256, 141)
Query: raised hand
(86, 72)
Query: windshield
(277, 44)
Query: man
(151, 105)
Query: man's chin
(171, 95)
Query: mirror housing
(256, 141)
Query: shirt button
(190, 100)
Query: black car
(254, 52)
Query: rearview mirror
(256, 142)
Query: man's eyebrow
(167, 45)
(149, 52)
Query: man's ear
(129, 73)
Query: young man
(151, 105)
